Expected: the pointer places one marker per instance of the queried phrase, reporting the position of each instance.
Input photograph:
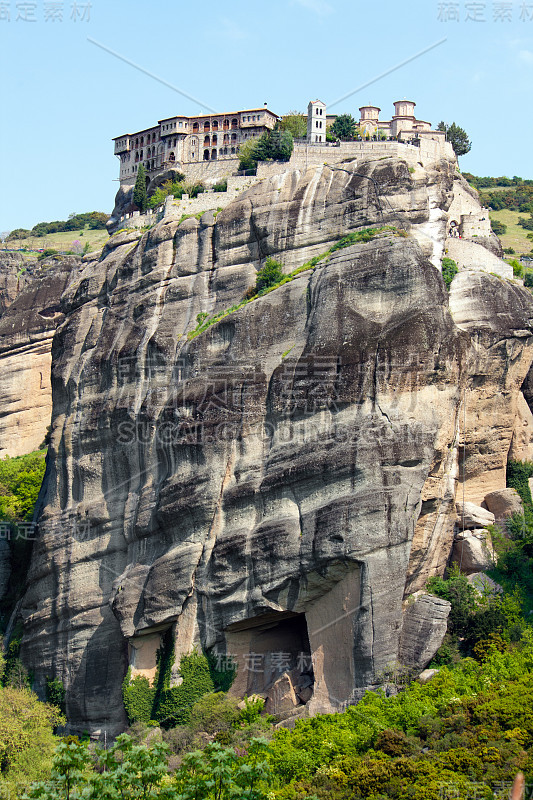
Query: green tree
(295, 123)
(499, 228)
(449, 271)
(269, 275)
(457, 137)
(344, 127)
(139, 192)
(26, 734)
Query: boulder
(470, 551)
(474, 516)
(426, 675)
(484, 584)
(281, 696)
(504, 503)
(424, 626)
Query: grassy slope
(61, 241)
(516, 235)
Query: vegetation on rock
(457, 137)
(449, 271)
(273, 145)
(344, 128)
(140, 199)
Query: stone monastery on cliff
(182, 142)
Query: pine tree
(457, 137)
(139, 192)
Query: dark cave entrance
(274, 659)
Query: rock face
(27, 328)
(16, 272)
(274, 486)
(424, 626)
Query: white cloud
(317, 6)
(526, 56)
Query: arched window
(137, 142)
(234, 123)
(232, 150)
(207, 126)
(171, 156)
(213, 155)
(214, 139)
(226, 124)
(206, 155)
(233, 137)
(141, 154)
(142, 140)
(195, 127)
(226, 138)
(136, 157)
(215, 125)
(207, 140)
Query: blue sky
(64, 98)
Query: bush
(138, 697)
(518, 474)
(47, 253)
(269, 275)
(274, 145)
(176, 703)
(55, 693)
(518, 269)
(499, 228)
(214, 712)
(449, 271)
(20, 482)
(221, 186)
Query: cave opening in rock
(273, 654)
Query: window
(181, 124)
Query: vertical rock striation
(279, 482)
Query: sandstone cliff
(283, 480)
(27, 326)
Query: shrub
(499, 228)
(518, 269)
(55, 693)
(449, 271)
(138, 697)
(47, 253)
(221, 186)
(269, 275)
(214, 712)
(176, 703)
(518, 474)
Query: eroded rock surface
(280, 482)
(27, 328)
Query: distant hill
(79, 233)
(511, 204)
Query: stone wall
(207, 201)
(471, 256)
